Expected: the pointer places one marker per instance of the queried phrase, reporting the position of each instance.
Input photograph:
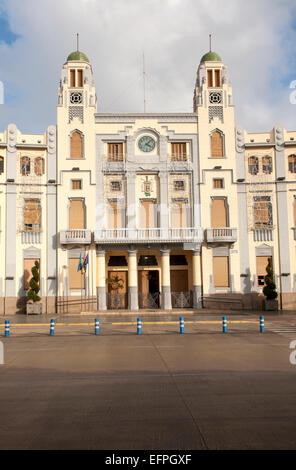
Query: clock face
(146, 143)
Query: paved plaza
(158, 390)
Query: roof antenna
(144, 82)
(77, 41)
(210, 40)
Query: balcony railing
(114, 158)
(153, 235)
(221, 235)
(31, 236)
(75, 236)
(182, 157)
(263, 234)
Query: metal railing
(114, 158)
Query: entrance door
(179, 288)
(148, 285)
(117, 289)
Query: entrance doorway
(148, 286)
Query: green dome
(211, 56)
(77, 55)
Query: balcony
(221, 235)
(80, 236)
(31, 236)
(151, 235)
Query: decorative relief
(279, 137)
(239, 139)
(215, 97)
(76, 111)
(215, 111)
(76, 97)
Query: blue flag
(80, 264)
(85, 263)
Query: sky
(256, 40)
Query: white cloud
(255, 39)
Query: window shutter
(221, 271)
(32, 215)
(217, 144)
(210, 78)
(79, 78)
(76, 214)
(76, 145)
(219, 213)
(72, 78)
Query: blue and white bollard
(52, 323)
(261, 324)
(224, 324)
(6, 327)
(97, 326)
(181, 325)
(139, 326)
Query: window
(218, 183)
(28, 265)
(179, 151)
(117, 261)
(217, 144)
(221, 271)
(178, 260)
(32, 215)
(115, 214)
(179, 185)
(76, 184)
(76, 278)
(147, 260)
(210, 78)
(292, 163)
(76, 214)
(39, 166)
(217, 78)
(1, 165)
(148, 214)
(76, 78)
(262, 211)
(267, 165)
(261, 264)
(25, 166)
(253, 164)
(179, 214)
(115, 151)
(76, 145)
(115, 185)
(219, 213)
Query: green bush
(34, 283)
(269, 290)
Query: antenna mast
(144, 82)
(77, 41)
(210, 41)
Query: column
(196, 280)
(133, 303)
(166, 300)
(101, 279)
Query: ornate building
(172, 209)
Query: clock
(146, 143)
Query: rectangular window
(262, 211)
(76, 184)
(221, 271)
(79, 78)
(219, 212)
(115, 151)
(115, 185)
(179, 151)
(179, 214)
(261, 264)
(76, 279)
(115, 214)
(210, 78)
(76, 214)
(179, 185)
(72, 78)
(32, 214)
(28, 265)
(218, 183)
(148, 217)
(217, 78)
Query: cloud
(255, 39)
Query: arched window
(253, 164)
(292, 163)
(39, 166)
(217, 147)
(1, 165)
(25, 166)
(76, 145)
(267, 165)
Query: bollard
(224, 324)
(6, 327)
(97, 326)
(139, 326)
(52, 322)
(261, 324)
(181, 325)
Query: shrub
(34, 283)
